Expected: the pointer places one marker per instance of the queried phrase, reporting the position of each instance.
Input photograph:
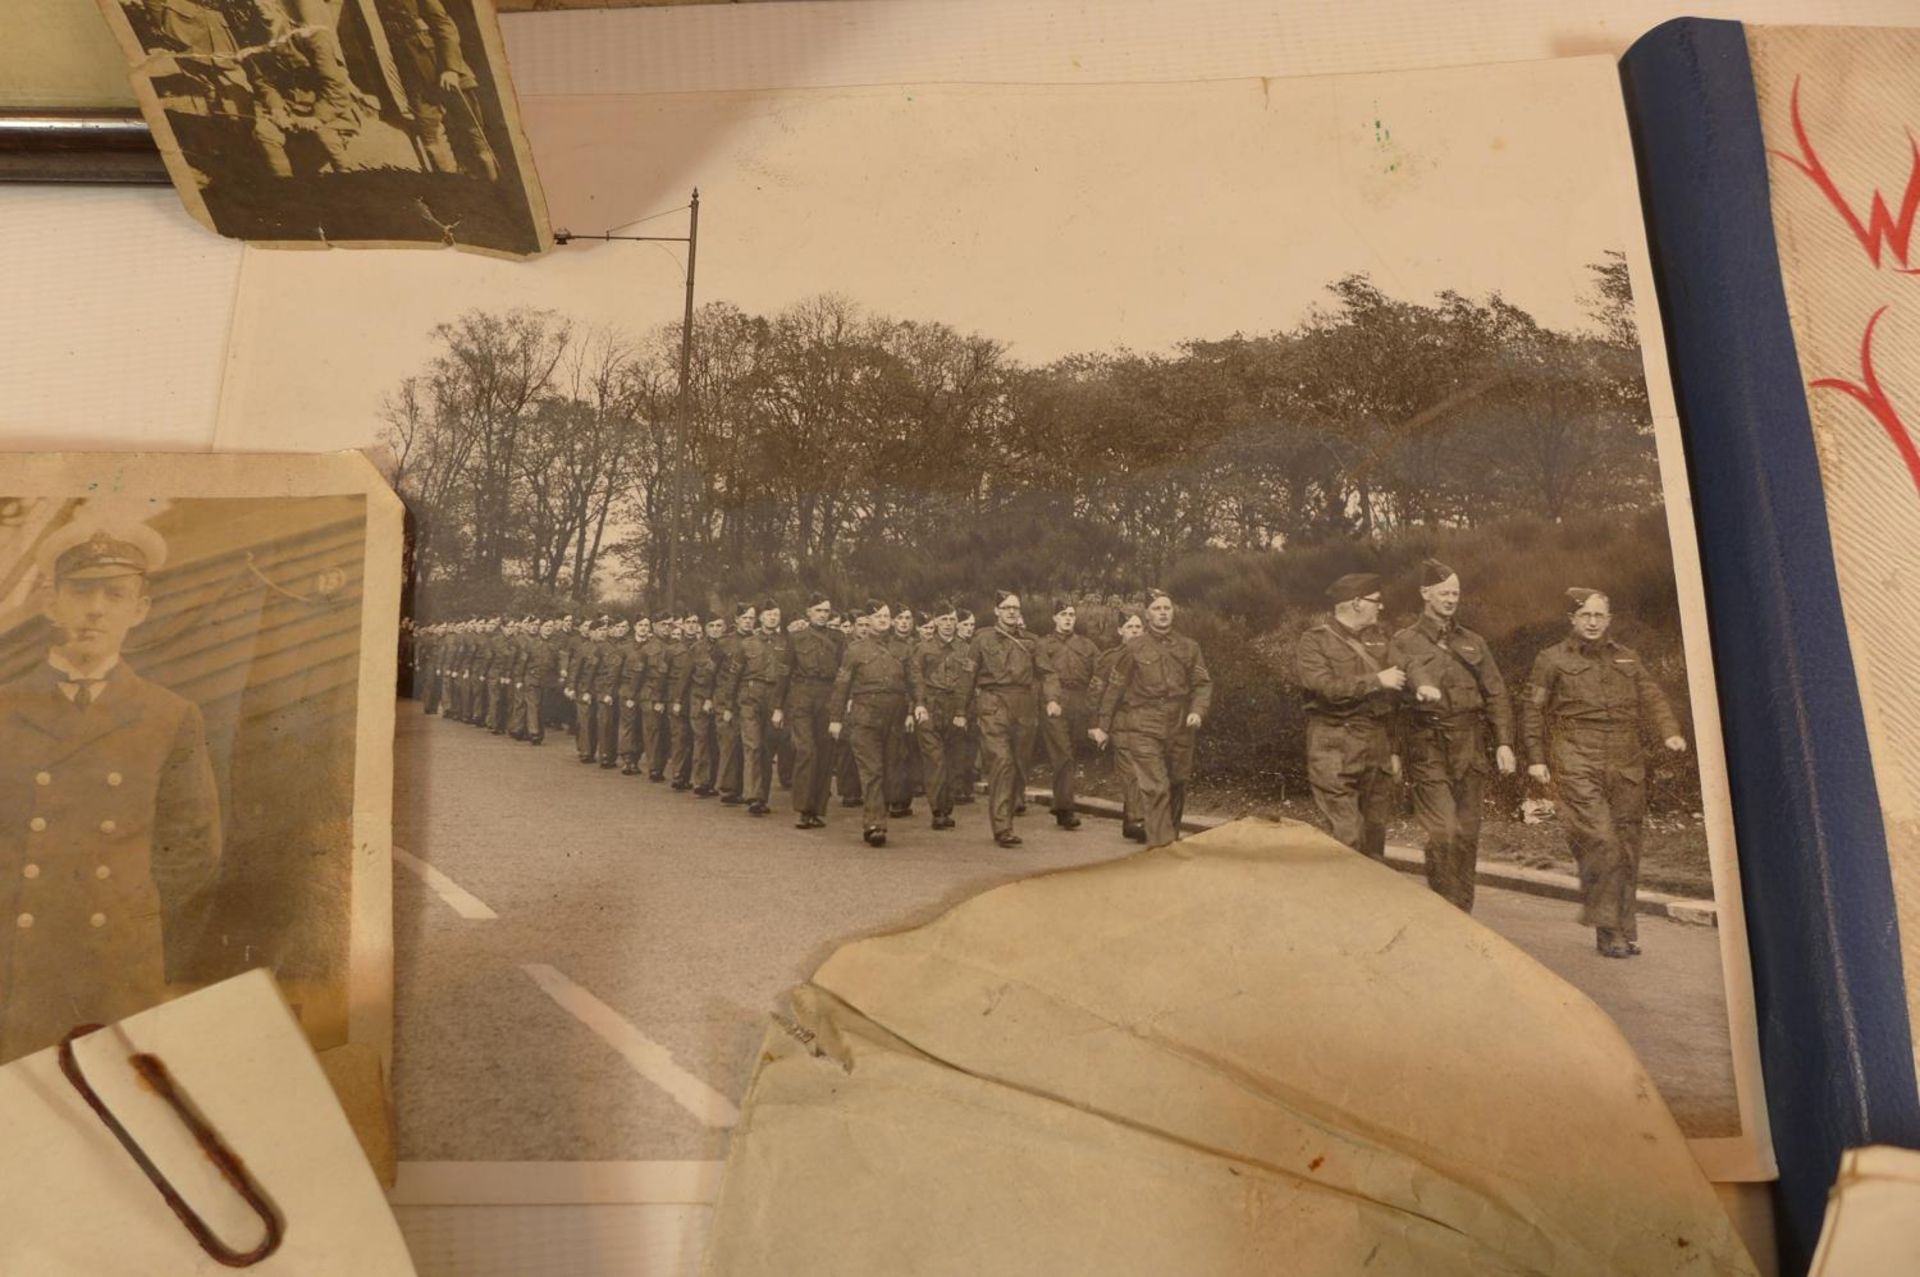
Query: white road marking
(648, 1058)
(458, 898)
(554, 1183)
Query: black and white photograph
(337, 121)
(818, 550)
(187, 772)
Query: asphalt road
(585, 961)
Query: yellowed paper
(72, 1200)
(1873, 1216)
(1254, 1051)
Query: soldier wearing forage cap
(1154, 702)
(702, 707)
(813, 658)
(1350, 689)
(631, 698)
(1132, 626)
(762, 671)
(109, 816)
(656, 664)
(537, 673)
(868, 702)
(679, 696)
(1458, 699)
(1002, 686)
(1070, 657)
(940, 666)
(729, 654)
(1588, 704)
(609, 674)
(586, 660)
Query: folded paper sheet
(1873, 1217)
(1251, 1052)
(73, 1201)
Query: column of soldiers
(883, 703)
(1427, 706)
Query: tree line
(831, 445)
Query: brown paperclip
(154, 1074)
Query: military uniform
(905, 776)
(1158, 680)
(1349, 731)
(1445, 748)
(762, 662)
(656, 668)
(1070, 658)
(813, 659)
(702, 677)
(537, 673)
(728, 655)
(935, 677)
(1130, 819)
(679, 722)
(606, 689)
(636, 714)
(869, 697)
(1586, 707)
(500, 654)
(585, 663)
(1002, 687)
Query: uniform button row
(25, 920)
(38, 823)
(46, 778)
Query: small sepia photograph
(337, 121)
(182, 716)
(1057, 497)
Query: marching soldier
(940, 667)
(1151, 709)
(656, 670)
(536, 679)
(1070, 658)
(762, 671)
(1350, 689)
(813, 659)
(729, 654)
(635, 676)
(500, 653)
(1458, 695)
(580, 655)
(609, 677)
(969, 772)
(109, 814)
(679, 685)
(903, 778)
(846, 768)
(585, 659)
(701, 689)
(869, 702)
(521, 640)
(1587, 704)
(1131, 826)
(1001, 684)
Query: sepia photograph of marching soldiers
(1316, 653)
(318, 119)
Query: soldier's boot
(1177, 802)
(1133, 831)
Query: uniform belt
(1597, 729)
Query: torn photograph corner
(310, 123)
(196, 724)
(1198, 1060)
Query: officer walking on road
(1151, 709)
(868, 703)
(1351, 691)
(940, 667)
(1069, 657)
(1588, 703)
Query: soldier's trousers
(1008, 721)
(1160, 762)
(807, 720)
(1601, 784)
(583, 737)
(874, 729)
(516, 709)
(729, 756)
(680, 761)
(1347, 761)
(502, 706)
(1447, 792)
(430, 701)
(1061, 736)
(606, 728)
(633, 726)
(705, 751)
(846, 770)
(530, 719)
(659, 738)
(756, 743)
(941, 746)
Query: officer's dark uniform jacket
(1597, 696)
(109, 850)
(1456, 660)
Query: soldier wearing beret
(728, 655)
(109, 816)
(1002, 686)
(655, 673)
(605, 690)
(702, 682)
(1132, 626)
(762, 673)
(1152, 706)
(679, 683)
(537, 673)
(1350, 690)
(586, 659)
(868, 702)
(1589, 703)
(1459, 698)
(1069, 657)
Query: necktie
(83, 689)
